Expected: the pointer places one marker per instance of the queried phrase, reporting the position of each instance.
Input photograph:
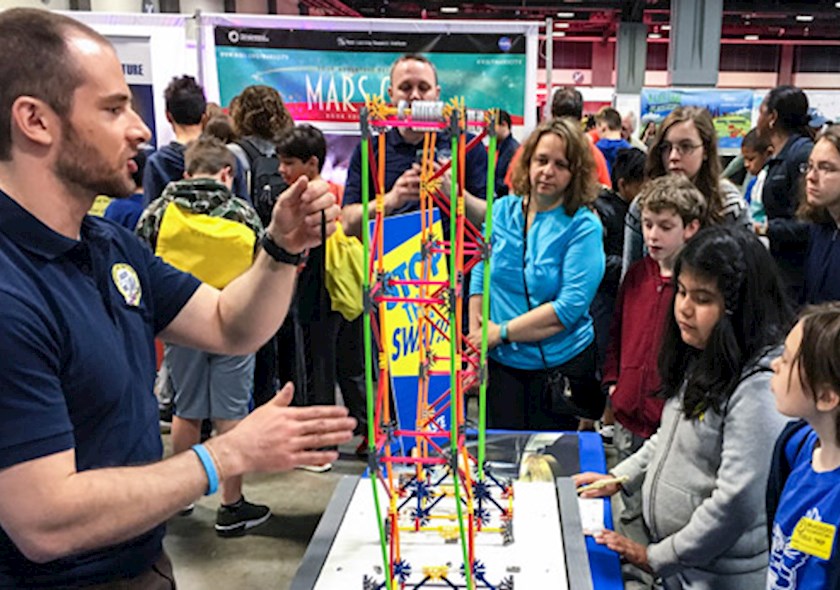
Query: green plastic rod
(453, 349)
(368, 344)
(485, 302)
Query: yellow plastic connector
(378, 109)
(449, 533)
(435, 573)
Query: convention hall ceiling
(787, 20)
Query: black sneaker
(234, 521)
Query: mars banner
(324, 76)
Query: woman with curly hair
(547, 262)
(260, 117)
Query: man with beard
(83, 491)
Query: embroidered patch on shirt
(127, 283)
(813, 537)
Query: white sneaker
(187, 510)
(316, 468)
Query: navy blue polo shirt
(400, 155)
(77, 368)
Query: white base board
(535, 559)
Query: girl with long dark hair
(703, 474)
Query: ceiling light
(559, 34)
(449, 9)
(750, 37)
(665, 27)
(561, 25)
(837, 5)
(804, 18)
(654, 36)
(565, 15)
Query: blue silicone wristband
(209, 468)
(503, 333)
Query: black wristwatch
(281, 254)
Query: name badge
(813, 537)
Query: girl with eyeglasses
(686, 144)
(821, 207)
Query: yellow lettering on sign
(813, 537)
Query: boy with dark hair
(333, 345)
(506, 147)
(756, 151)
(302, 151)
(208, 386)
(608, 123)
(628, 175)
(185, 107)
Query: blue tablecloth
(604, 563)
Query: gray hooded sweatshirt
(703, 485)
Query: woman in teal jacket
(547, 262)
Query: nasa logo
(505, 44)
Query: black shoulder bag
(566, 392)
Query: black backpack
(264, 179)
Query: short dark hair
(755, 142)
(261, 112)
(185, 101)
(303, 142)
(611, 117)
(35, 61)
(629, 166)
(791, 106)
(207, 155)
(757, 315)
(567, 102)
(504, 117)
(413, 57)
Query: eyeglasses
(822, 168)
(683, 148)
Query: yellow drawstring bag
(344, 272)
(214, 249)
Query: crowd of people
(631, 284)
